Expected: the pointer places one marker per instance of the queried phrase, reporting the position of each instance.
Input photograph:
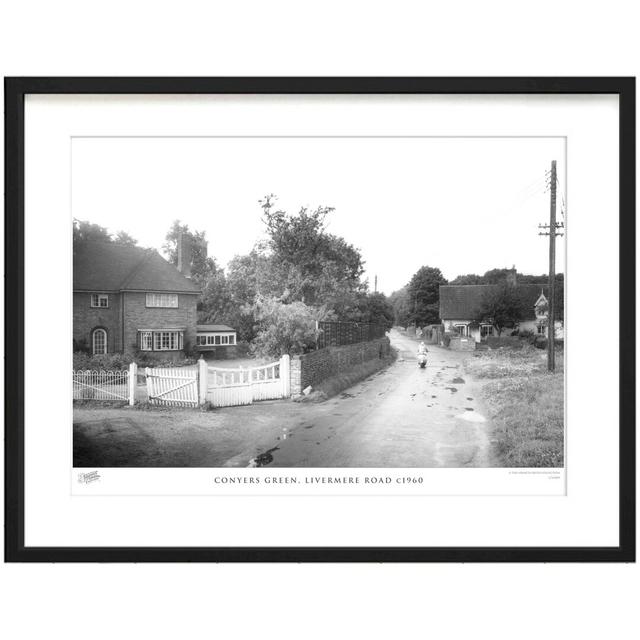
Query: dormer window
(99, 300)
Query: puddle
(437, 396)
(469, 398)
(263, 459)
(458, 380)
(309, 427)
(347, 395)
(468, 409)
(452, 389)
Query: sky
(464, 205)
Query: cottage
(126, 298)
(459, 304)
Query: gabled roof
(214, 327)
(461, 301)
(107, 266)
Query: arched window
(99, 342)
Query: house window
(99, 342)
(461, 329)
(146, 341)
(100, 300)
(486, 330)
(161, 340)
(213, 339)
(541, 329)
(162, 300)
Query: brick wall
(138, 316)
(316, 366)
(86, 319)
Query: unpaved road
(403, 416)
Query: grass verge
(526, 403)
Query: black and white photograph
(319, 301)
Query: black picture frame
(15, 91)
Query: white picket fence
(188, 387)
(115, 386)
(234, 387)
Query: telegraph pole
(375, 286)
(552, 232)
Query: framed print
(320, 319)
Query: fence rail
(337, 334)
(101, 385)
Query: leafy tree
(399, 301)
(85, 231)
(122, 237)
(284, 328)
(424, 296)
(371, 307)
(203, 267)
(469, 278)
(307, 263)
(502, 306)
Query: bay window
(162, 340)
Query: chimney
(511, 277)
(184, 255)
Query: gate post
(203, 380)
(285, 375)
(133, 382)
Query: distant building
(126, 298)
(459, 304)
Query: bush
(283, 328)
(242, 349)
(110, 361)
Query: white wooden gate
(234, 387)
(172, 386)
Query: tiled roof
(106, 266)
(461, 301)
(214, 327)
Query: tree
(284, 328)
(424, 296)
(85, 231)
(469, 278)
(307, 263)
(203, 268)
(371, 307)
(122, 237)
(399, 301)
(502, 306)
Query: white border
(587, 516)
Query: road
(403, 416)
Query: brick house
(459, 304)
(126, 298)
